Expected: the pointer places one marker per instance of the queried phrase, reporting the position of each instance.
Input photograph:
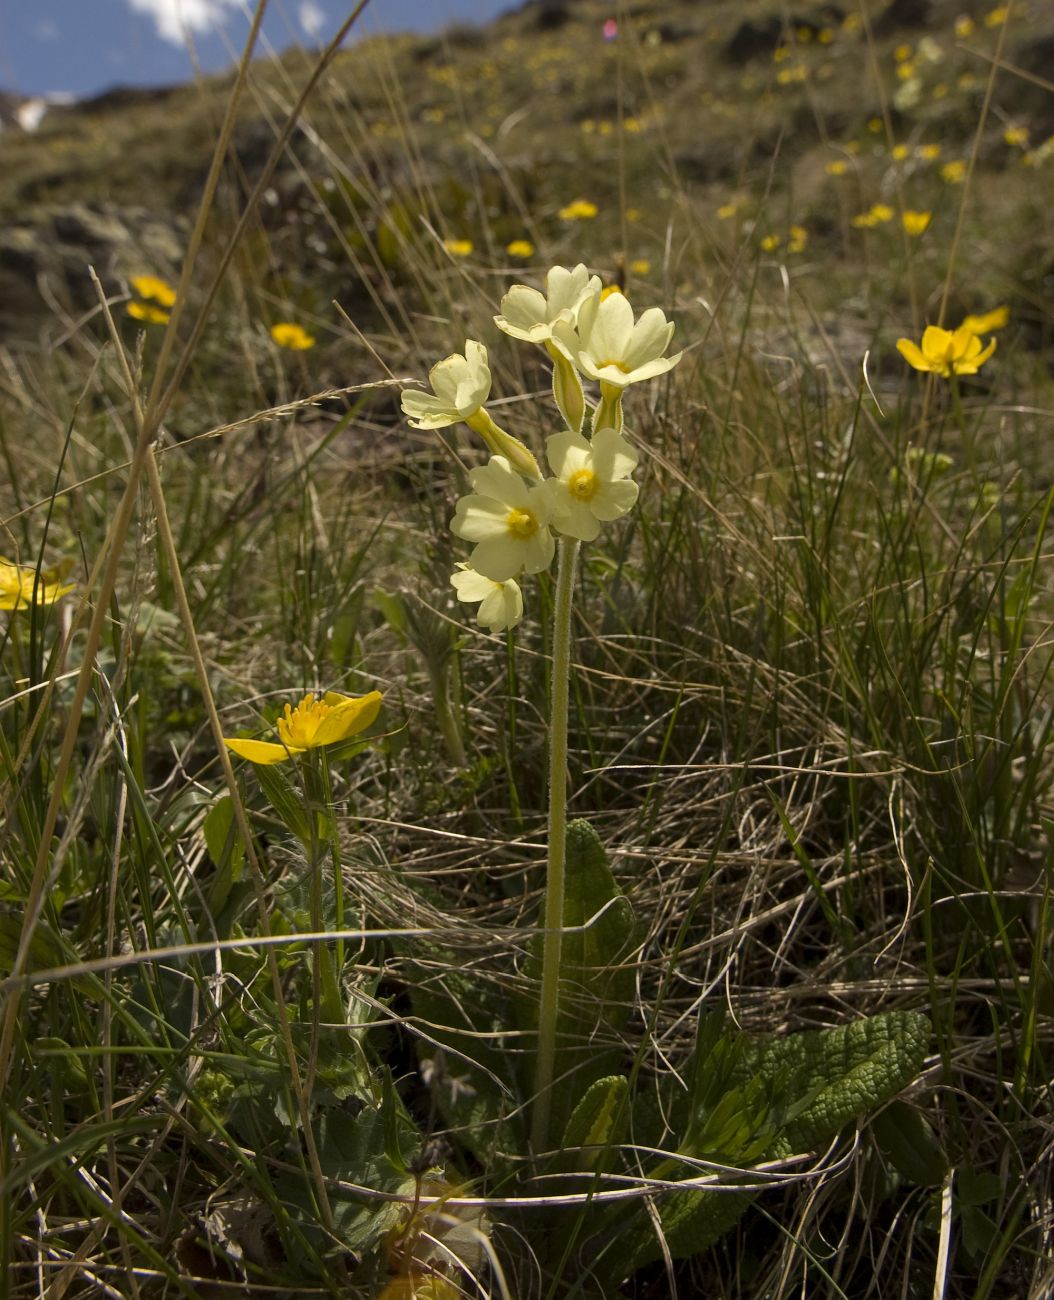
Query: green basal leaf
(910, 1144)
(596, 1127)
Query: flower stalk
(553, 917)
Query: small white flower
(529, 315)
(592, 481)
(508, 519)
(460, 384)
(501, 603)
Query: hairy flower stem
(549, 1001)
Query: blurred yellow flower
(641, 266)
(289, 335)
(967, 80)
(874, 125)
(946, 352)
(1016, 136)
(987, 321)
(963, 26)
(940, 90)
(994, 17)
(876, 215)
(837, 167)
(146, 311)
(905, 71)
(312, 724)
(725, 211)
(915, 222)
(153, 288)
(788, 76)
(954, 173)
(902, 52)
(781, 53)
(770, 243)
(633, 214)
(825, 35)
(20, 586)
(520, 248)
(798, 238)
(579, 210)
(458, 247)
(899, 152)
(929, 152)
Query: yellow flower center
(583, 484)
(619, 365)
(298, 727)
(521, 523)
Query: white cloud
(312, 18)
(176, 19)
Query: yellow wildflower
(902, 53)
(929, 152)
(146, 311)
(997, 16)
(458, 247)
(1016, 136)
(915, 222)
(641, 266)
(899, 152)
(963, 26)
(312, 724)
(987, 321)
(725, 211)
(520, 248)
(579, 210)
(954, 173)
(946, 352)
(874, 125)
(770, 243)
(21, 586)
(153, 288)
(289, 335)
(837, 167)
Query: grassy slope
(814, 706)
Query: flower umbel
(508, 520)
(592, 483)
(313, 723)
(946, 352)
(501, 603)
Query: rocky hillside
(755, 125)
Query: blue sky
(85, 46)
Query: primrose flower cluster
(515, 513)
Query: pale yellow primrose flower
(592, 483)
(946, 352)
(608, 346)
(501, 603)
(508, 520)
(19, 585)
(529, 315)
(460, 386)
(327, 721)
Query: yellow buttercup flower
(20, 586)
(954, 173)
(915, 222)
(837, 167)
(726, 211)
(312, 724)
(579, 210)
(146, 311)
(289, 335)
(153, 288)
(520, 248)
(770, 243)
(929, 152)
(458, 247)
(987, 321)
(946, 352)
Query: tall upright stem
(549, 1002)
